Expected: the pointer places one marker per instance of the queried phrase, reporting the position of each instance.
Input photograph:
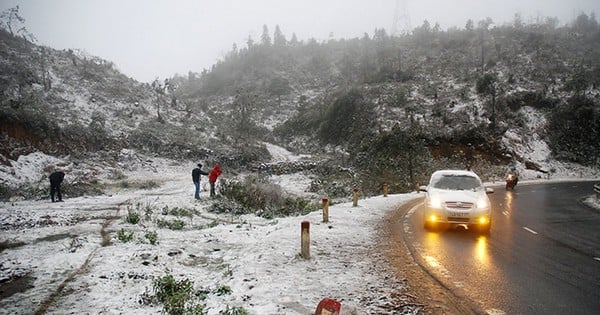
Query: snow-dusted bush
(257, 195)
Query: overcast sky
(158, 38)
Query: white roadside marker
(529, 230)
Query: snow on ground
(26, 169)
(68, 256)
(279, 154)
(73, 247)
(534, 149)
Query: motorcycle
(511, 181)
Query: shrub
(178, 212)
(177, 297)
(132, 216)
(5, 192)
(148, 184)
(124, 236)
(152, 237)
(223, 290)
(237, 310)
(173, 225)
(256, 195)
(574, 131)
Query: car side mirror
(423, 188)
(489, 190)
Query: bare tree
(14, 23)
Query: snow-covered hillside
(67, 257)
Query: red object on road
(329, 306)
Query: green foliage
(170, 224)
(348, 120)
(304, 124)
(243, 114)
(237, 310)
(574, 131)
(486, 84)
(124, 236)
(155, 137)
(132, 217)
(243, 155)
(533, 99)
(257, 195)
(152, 237)
(177, 297)
(223, 290)
(31, 119)
(399, 158)
(5, 192)
(179, 212)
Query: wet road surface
(541, 257)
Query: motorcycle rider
(512, 176)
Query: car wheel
(427, 225)
(485, 229)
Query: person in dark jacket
(212, 178)
(56, 179)
(196, 172)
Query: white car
(457, 197)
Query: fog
(147, 39)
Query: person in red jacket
(212, 178)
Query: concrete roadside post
(355, 197)
(325, 210)
(385, 189)
(305, 240)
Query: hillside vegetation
(374, 109)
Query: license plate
(458, 214)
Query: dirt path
(83, 268)
(428, 291)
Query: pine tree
(278, 37)
(265, 38)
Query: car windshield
(456, 182)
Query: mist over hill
(369, 110)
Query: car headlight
(435, 202)
(432, 218)
(483, 203)
(483, 220)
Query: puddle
(9, 245)
(53, 237)
(16, 285)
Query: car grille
(458, 220)
(459, 205)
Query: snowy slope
(74, 245)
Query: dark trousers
(55, 190)
(197, 190)
(212, 189)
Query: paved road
(541, 257)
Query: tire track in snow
(82, 269)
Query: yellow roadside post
(305, 239)
(325, 210)
(355, 197)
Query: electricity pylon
(401, 23)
